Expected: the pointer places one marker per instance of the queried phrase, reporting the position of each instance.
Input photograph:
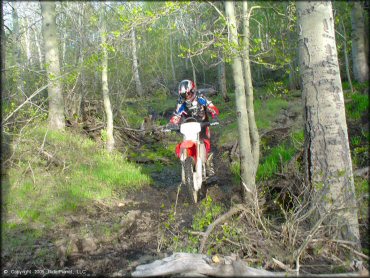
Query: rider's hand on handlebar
(172, 126)
(215, 120)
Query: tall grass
(266, 111)
(42, 192)
(274, 161)
(357, 106)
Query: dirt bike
(193, 156)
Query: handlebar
(214, 123)
(177, 127)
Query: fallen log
(198, 264)
(208, 91)
(363, 172)
(145, 160)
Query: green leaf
(116, 33)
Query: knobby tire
(189, 180)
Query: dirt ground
(122, 235)
(141, 213)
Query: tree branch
(29, 98)
(219, 220)
(218, 11)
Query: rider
(191, 103)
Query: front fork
(200, 166)
(183, 156)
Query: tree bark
(293, 79)
(17, 53)
(172, 62)
(64, 38)
(41, 59)
(28, 43)
(193, 69)
(328, 165)
(49, 31)
(359, 57)
(222, 77)
(246, 168)
(135, 64)
(3, 47)
(83, 85)
(105, 89)
(253, 131)
(198, 265)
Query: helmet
(187, 89)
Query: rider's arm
(211, 108)
(180, 110)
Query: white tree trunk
(28, 43)
(193, 69)
(64, 38)
(49, 31)
(260, 37)
(359, 57)
(171, 60)
(192, 64)
(222, 77)
(105, 89)
(246, 168)
(327, 154)
(3, 52)
(41, 59)
(253, 131)
(135, 64)
(17, 52)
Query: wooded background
(81, 64)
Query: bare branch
(29, 98)
(218, 11)
(219, 220)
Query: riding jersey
(197, 108)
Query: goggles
(186, 94)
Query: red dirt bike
(193, 156)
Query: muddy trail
(136, 221)
(112, 239)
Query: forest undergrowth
(70, 205)
(277, 236)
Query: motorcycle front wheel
(188, 172)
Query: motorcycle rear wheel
(188, 168)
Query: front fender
(188, 145)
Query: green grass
(362, 194)
(265, 114)
(134, 110)
(40, 193)
(185, 240)
(297, 139)
(272, 163)
(357, 106)
(266, 111)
